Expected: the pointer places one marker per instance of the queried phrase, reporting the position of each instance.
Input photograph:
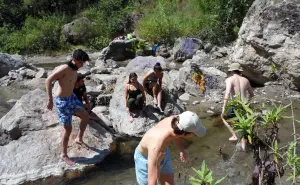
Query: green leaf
(220, 180)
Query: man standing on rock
(66, 102)
(152, 156)
(236, 85)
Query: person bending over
(152, 156)
(134, 95)
(153, 84)
(65, 100)
(236, 84)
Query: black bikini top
(72, 66)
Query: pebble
(196, 102)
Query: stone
(42, 73)
(208, 47)
(162, 51)
(184, 97)
(30, 73)
(141, 63)
(100, 70)
(93, 91)
(30, 142)
(118, 50)
(185, 48)
(103, 99)
(106, 64)
(196, 102)
(11, 102)
(77, 31)
(120, 117)
(10, 62)
(269, 36)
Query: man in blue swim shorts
(66, 102)
(152, 156)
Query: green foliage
(204, 176)
(274, 115)
(138, 46)
(36, 36)
(245, 125)
(293, 160)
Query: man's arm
(226, 96)
(154, 154)
(177, 142)
(143, 93)
(54, 76)
(86, 100)
(125, 96)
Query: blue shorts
(141, 166)
(65, 108)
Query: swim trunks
(65, 108)
(141, 166)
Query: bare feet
(131, 119)
(67, 160)
(244, 143)
(233, 138)
(160, 109)
(81, 143)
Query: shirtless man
(152, 155)
(236, 85)
(66, 102)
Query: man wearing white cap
(152, 156)
(236, 85)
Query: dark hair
(131, 75)
(237, 72)
(79, 77)
(157, 67)
(81, 55)
(176, 130)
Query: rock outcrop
(269, 41)
(30, 138)
(185, 48)
(150, 115)
(10, 62)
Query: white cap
(190, 122)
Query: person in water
(236, 85)
(134, 95)
(153, 84)
(65, 100)
(152, 156)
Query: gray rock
(5, 81)
(185, 48)
(196, 102)
(270, 36)
(15, 75)
(184, 97)
(30, 73)
(103, 99)
(208, 47)
(102, 64)
(10, 62)
(162, 51)
(94, 91)
(100, 109)
(11, 102)
(30, 145)
(42, 73)
(77, 31)
(108, 81)
(118, 50)
(141, 63)
(119, 115)
(100, 70)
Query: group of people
(134, 92)
(152, 156)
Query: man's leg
(84, 121)
(166, 171)
(154, 91)
(65, 140)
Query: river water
(118, 168)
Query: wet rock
(163, 51)
(185, 48)
(268, 37)
(77, 31)
(5, 81)
(151, 115)
(11, 102)
(30, 139)
(232, 172)
(42, 73)
(10, 62)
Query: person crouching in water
(152, 156)
(134, 95)
(153, 84)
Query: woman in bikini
(153, 84)
(134, 95)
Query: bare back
(239, 85)
(66, 81)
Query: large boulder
(10, 62)
(30, 140)
(214, 81)
(120, 118)
(185, 48)
(77, 31)
(119, 50)
(269, 41)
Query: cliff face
(269, 41)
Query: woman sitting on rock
(134, 95)
(153, 84)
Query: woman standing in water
(134, 95)
(153, 84)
